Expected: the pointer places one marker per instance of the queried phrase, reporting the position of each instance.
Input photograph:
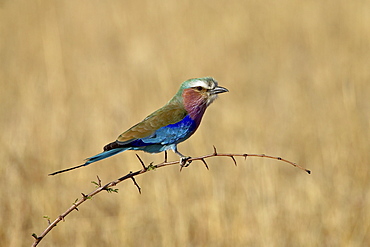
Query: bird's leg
(165, 156)
(183, 159)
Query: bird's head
(200, 91)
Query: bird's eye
(199, 88)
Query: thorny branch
(132, 175)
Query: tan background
(75, 74)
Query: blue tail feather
(94, 158)
(104, 155)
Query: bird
(168, 126)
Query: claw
(184, 162)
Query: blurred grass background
(74, 75)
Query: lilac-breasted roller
(168, 126)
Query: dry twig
(132, 175)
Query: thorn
(136, 184)
(75, 209)
(308, 171)
(141, 161)
(35, 236)
(245, 156)
(205, 163)
(99, 181)
(85, 196)
(214, 151)
(232, 157)
(165, 156)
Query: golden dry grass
(75, 74)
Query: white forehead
(207, 84)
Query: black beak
(218, 90)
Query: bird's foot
(184, 162)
